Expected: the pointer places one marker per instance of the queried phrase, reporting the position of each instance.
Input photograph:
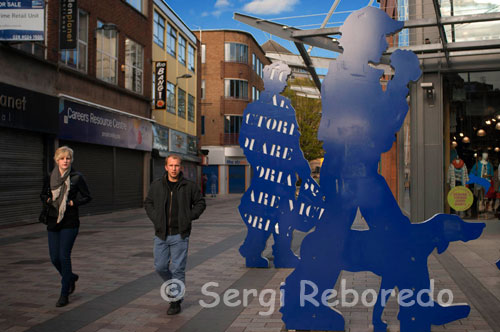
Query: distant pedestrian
(213, 184)
(172, 203)
(64, 191)
(204, 180)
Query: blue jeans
(171, 256)
(60, 245)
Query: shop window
(473, 135)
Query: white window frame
(64, 57)
(102, 54)
(157, 26)
(191, 57)
(137, 72)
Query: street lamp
(182, 76)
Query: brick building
(177, 115)
(232, 71)
(94, 98)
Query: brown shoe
(175, 308)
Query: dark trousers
(60, 245)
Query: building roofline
(235, 30)
(176, 19)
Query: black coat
(190, 201)
(78, 193)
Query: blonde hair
(62, 151)
(173, 156)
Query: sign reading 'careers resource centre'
(92, 125)
(22, 20)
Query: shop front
(111, 150)
(186, 146)
(28, 125)
(472, 138)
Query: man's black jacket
(190, 200)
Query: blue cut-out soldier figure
(359, 122)
(269, 137)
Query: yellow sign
(460, 198)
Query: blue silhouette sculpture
(359, 122)
(480, 181)
(269, 137)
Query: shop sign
(192, 145)
(160, 139)
(460, 198)
(22, 20)
(87, 124)
(68, 26)
(236, 161)
(178, 142)
(160, 85)
(26, 109)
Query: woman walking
(64, 191)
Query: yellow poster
(460, 198)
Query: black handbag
(44, 214)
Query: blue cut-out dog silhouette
(359, 122)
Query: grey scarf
(59, 185)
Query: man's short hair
(174, 156)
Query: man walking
(172, 203)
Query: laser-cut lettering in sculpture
(359, 122)
(269, 137)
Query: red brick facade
(215, 70)
(130, 24)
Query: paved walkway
(118, 289)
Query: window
(133, 66)
(253, 61)
(153, 90)
(232, 124)
(255, 93)
(137, 4)
(78, 58)
(203, 51)
(236, 89)
(35, 48)
(181, 104)
(182, 50)
(170, 97)
(159, 30)
(190, 108)
(203, 125)
(191, 57)
(261, 69)
(107, 54)
(171, 40)
(235, 52)
(202, 89)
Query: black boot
(72, 286)
(175, 308)
(63, 300)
